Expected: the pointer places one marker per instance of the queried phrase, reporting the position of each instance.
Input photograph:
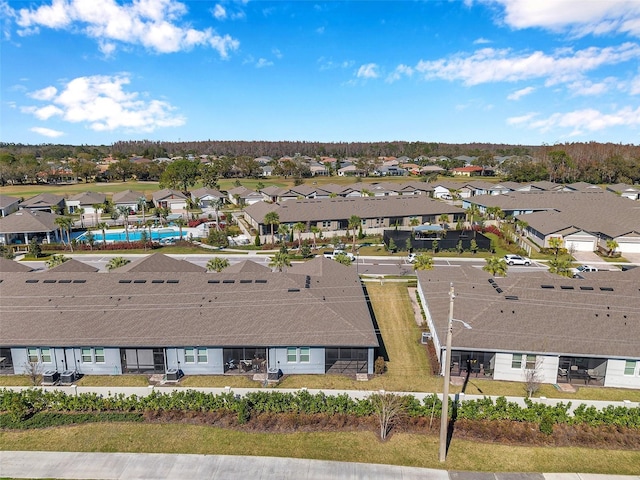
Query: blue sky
(499, 71)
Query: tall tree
(354, 223)
(299, 227)
(217, 264)
(180, 174)
(272, 219)
(123, 211)
(423, 262)
(142, 204)
(279, 261)
(65, 224)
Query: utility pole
(444, 430)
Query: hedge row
(20, 405)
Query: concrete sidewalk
(103, 466)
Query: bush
(379, 366)
(546, 424)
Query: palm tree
(80, 212)
(217, 203)
(65, 224)
(123, 211)
(181, 223)
(97, 209)
(117, 262)
(56, 260)
(103, 226)
(561, 266)
(423, 262)
(496, 266)
(299, 227)
(315, 230)
(280, 260)
(142, 205)
(611, 246)
(271, 218)
(556, 244)
(217, 264)
(354, 223)
(343, 258)
(444, 219)
(414, 222)
(283, 231)
(472, 212)
(163, 213)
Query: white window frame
(292, 351)
(202, 355)
(45, 357)
(33, 355)
(516, 360)
(530, 362)
(630, 366)
(99, 357)
(189, 355)
(84, 357)
(305, 352)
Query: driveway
(588, 258)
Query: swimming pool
(135, 235)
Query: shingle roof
(600, 211)
(127, 196)
(42, 200)
(89, 198)
(73, 266)
(321, 308)
(549, 314)
(247, 266)
(28, 221)
(6, 200)
(7, 265)
(206, 191)
(158, 262)
(342, 208)
(167, 193)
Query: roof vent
(31, 281)
(228, 281)
(583, 287)
(547, 286)
(511, 297)
(293, 290)
(80, 281)
(566, 287)
(173, 281)
(139, 281)
(64, 281)
(48, 281)
(261, 281)
(124, 281)
(246, 281)
(157, 281)
(499, 290)
(606, 289)
(213, 281)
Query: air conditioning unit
(426, 336)
(68, 377)
(50, 377)
(174, 374)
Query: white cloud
(320, 30)
(263, 62)
(521, 119)
(102, 103)
(370, 70)
(400, 71)
(277, 53)
(47, 132)
(149, 23)
(502, 65)
(44, 94)
(589, 88)
(518, 94)
(578, 121)
(219, 12)
(481, 41)
(576, 17)
(328, 64)
(634, 87)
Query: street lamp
(447, 377)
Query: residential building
(44, 202)
(22, 226)
(8, 205)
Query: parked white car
(583, 268)
(517, 260)
(335, 253)
(411, 258)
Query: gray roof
(324, 306)
(601, 212)
(206, 191)
(42, 200)
(167, 193)
(560, 318)
(73, 266)
(7, 201)
(247, 266)
(89, 198)
(28, 221)
(158, 262)
(127, 196)
(339, 208)
(7, 265)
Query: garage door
(581, 245)
(629, 247)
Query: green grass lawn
(400, 449)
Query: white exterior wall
(213, 366)
(580, 242)
(547, 369)
(615, 376)
(278, 360)
(130, 206)
(63, 359)
(628, 244)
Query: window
(86, 355)
(32, 353)
(189, 355)
(530, 362)
(45, 354)
(292, 354)
(630, 367)
(202, 355)
(99, 355)
(516, 361)
(326, 224)
(304, 354)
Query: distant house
(468, 171)
(243, 196)
(85, 201)
(632, 192)
(129, 199)
(206, 197)
(267, 170)
(172, 199)
(8, 205)
(44, 202)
